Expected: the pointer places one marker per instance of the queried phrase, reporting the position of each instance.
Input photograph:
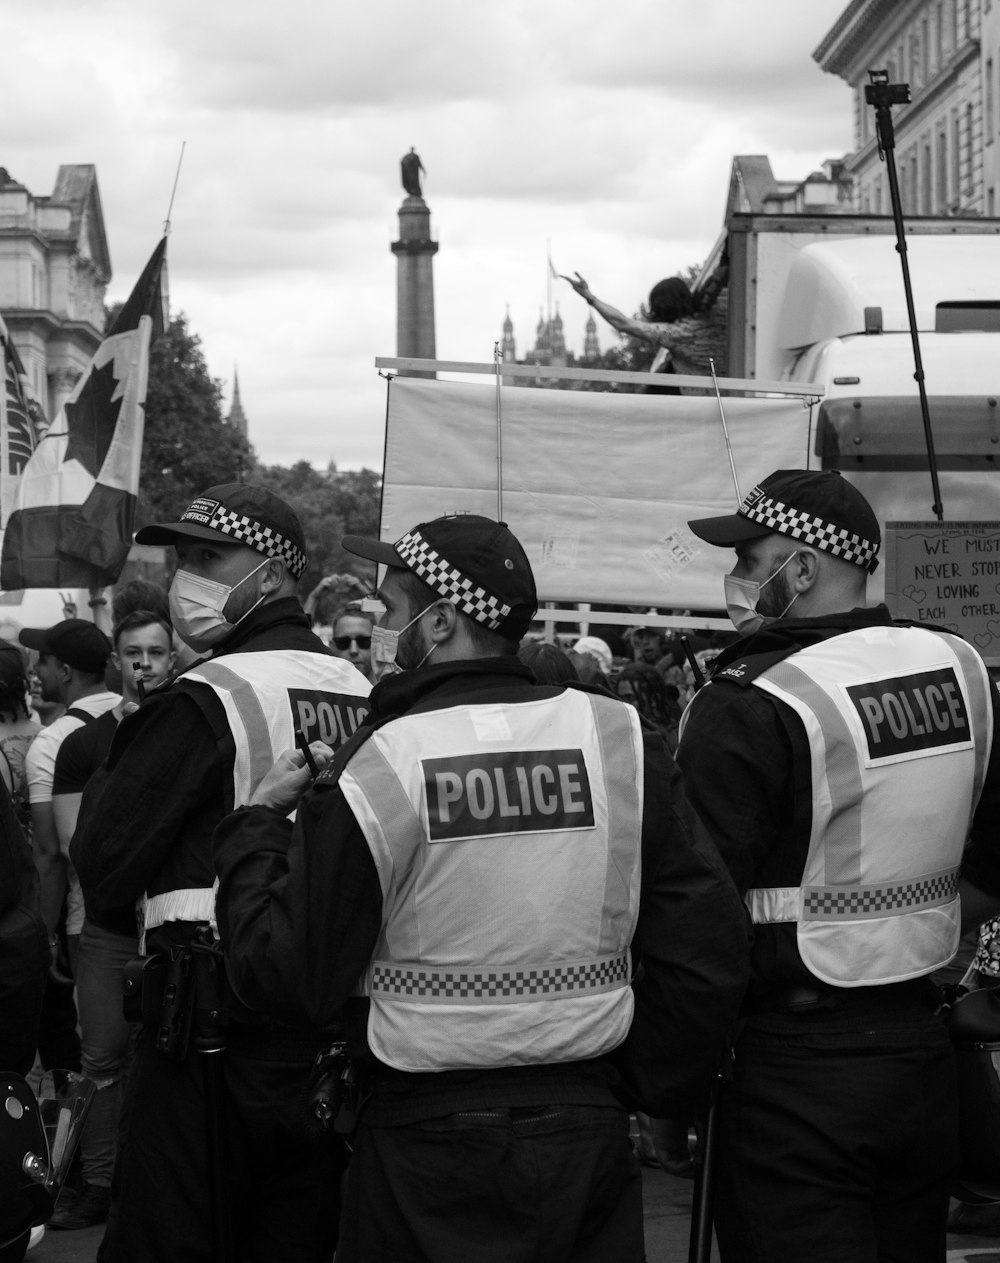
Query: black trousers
(282, 1173)
(838, 1154)
(550, 1184)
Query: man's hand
(289, 779)
(580, 285)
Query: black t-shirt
(82, 753)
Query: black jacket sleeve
(160, 791)
(691, 948)
(299, 907)
(981, 862)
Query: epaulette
(743, 671)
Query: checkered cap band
(246, 530)
(775, 516)
(443, 577)
(829, 903)
(499, 985)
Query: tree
(330, 505)
(187, 445)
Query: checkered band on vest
(245, 530)
(779, 517)
(409, 982)
(822, 903)
(443, 577)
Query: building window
(927, 178)
(914, 61)
(925, 49)
(942, 173)
(991, 209)
(939, 34)
(988, 119)
(968, 149)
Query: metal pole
(496, 364)
(700, 1242)
(883, 95)
(725, 431)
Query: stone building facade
(54, 273)
(948, 137)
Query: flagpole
(548, 278)
(173, 191)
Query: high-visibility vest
(899, 722)
(507, 843)
(266, 697)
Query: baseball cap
(74, 641)
(238, 513)
(474, 562)
(818, 507)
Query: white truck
(821, 299)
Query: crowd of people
(413, 909)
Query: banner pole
(725, 431)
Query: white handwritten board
(947, 573)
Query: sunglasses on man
(345, 642)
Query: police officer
(190, 754)
(474, 858)
(838, 760)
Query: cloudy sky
(605, 129)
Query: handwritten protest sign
(947, 573)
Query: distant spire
(591, 347)
(237, 417)
(507, 346)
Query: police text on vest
(329, 717)
(507, 791)
(910, 713)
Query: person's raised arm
(615, 318)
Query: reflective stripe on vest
(899, 724)
(507, 843)
(266, 697)
(196, 904)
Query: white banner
(598, 486)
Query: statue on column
(410, 167)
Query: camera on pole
(883, 95)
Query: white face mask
(197, 604)
(385, 643)
(742, 596)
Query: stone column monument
(414, 253)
